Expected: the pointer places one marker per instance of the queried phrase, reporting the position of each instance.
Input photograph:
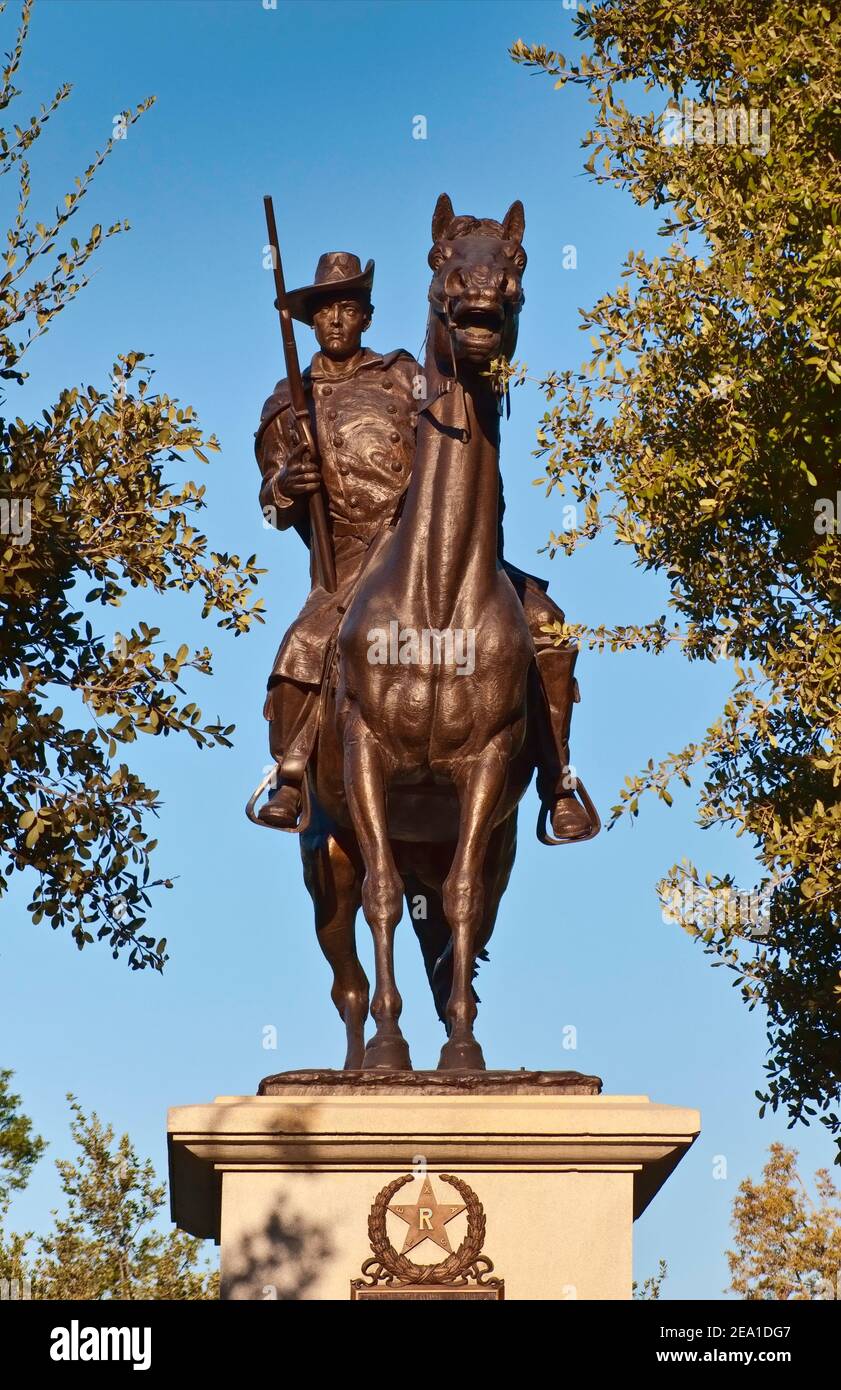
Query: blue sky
(314, 102)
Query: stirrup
(595, 821)
(306, 806)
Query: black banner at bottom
(84, 1341)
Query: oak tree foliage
(94, 501)
(702, 433)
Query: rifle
(302, 428)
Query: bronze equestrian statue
(409, 708)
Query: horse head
(476, 293)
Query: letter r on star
(426, 1219)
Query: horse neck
(447, 538)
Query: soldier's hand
(299, 476)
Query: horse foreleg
(333, 879)
(480, 787)
(382, 891)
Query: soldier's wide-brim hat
(337, 272)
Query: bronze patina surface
(402, 771)
(426, 1293)
(465, 1273)
(430, 1083)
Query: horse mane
(466, 225)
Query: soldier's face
(339, 325)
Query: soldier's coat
(365, 425)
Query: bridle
(503, 393)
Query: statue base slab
(511, 1185)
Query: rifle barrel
(321, 542)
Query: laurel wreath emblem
(465, 1264)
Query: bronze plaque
(428, 1291)
(465, 1273)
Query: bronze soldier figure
(363, 410)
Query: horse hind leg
(334, 881)
(499, 860)
(429, 920)
(430, 926)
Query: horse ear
(515, 222)
(442, 216)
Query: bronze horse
(420, 764)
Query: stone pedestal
(544, 1185)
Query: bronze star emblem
(426, 1219)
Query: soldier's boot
(289, 706)
(556, 781)
(282, 811)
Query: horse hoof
(461, 1056)
(387, 1054)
